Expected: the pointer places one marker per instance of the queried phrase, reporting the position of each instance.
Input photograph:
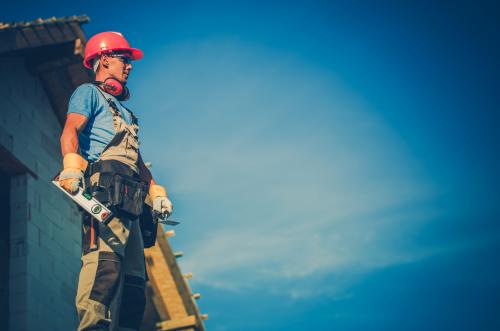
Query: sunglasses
(123, 58)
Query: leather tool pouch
(119, 187)
(149, 227)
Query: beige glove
(161, 203)
(72, 174)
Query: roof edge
(81, 19)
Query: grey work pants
(111, 286)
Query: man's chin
(122, 79)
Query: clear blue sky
(334, 164)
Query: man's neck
(102, 76)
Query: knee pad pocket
(107, 278)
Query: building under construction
(40, 240)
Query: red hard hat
(108, 42)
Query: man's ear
(105, 61)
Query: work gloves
(161, 203)
(72, 175)
(71, 178)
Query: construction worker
(100, 150)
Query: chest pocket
(124, 146)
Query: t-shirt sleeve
(83, 101)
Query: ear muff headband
(115, 88)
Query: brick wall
(45, 225)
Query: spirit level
(85, 200)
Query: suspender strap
(114, 107)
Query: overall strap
(125, 144)
(114, 108)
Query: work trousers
(111, 286)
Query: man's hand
(72, 174)
(161, 203)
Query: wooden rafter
(173, 297)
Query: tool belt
(118, 187)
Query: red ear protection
(115, 88)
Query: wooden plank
(77, 30)
(67, 32)
(31, 37)
(161, 308)
(182, 287)
(43, 35)
(179, 324)
(55, 33)
(21, 41)
(164, 283)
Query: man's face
(118, 66)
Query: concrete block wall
(45, 226)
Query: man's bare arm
(69, 138)
(74, 164)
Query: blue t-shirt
(99, 131)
